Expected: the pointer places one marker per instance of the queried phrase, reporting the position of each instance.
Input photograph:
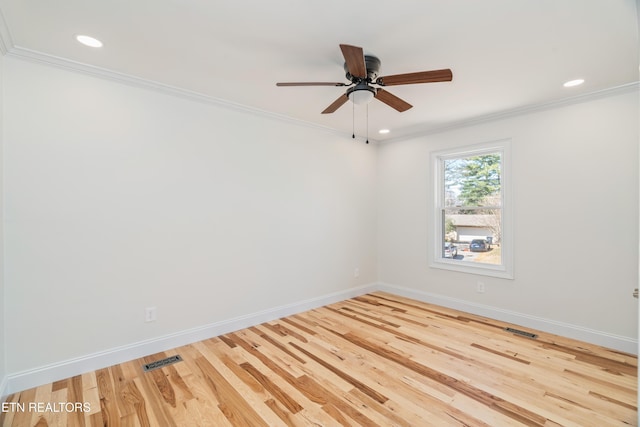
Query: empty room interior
(319, 213)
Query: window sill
(473, 268)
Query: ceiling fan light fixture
(361, 94)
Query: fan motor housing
(373, 68)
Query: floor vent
(521, 333)
(162, 363)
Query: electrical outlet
(150, 314)
(480, 287)
(356, 272)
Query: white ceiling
(505, 54)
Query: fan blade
(311, 84)
(392, 100)
(354, 57)
(336, 104)
(419, 77)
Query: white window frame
(504, 270)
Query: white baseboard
(4, 388)
(91, 362)
(68, 368)
(616, 342)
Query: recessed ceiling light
(88, 41)
(383, 131)
(572, 83)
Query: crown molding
(130, 80)
(418, 131)
(6, 42)
(9, 49)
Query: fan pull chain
(367, 123)
(353, 120)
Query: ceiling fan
(362, 71)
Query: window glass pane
(472, 235)
(472, 181)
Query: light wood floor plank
(374, 360)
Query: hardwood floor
(375, 360)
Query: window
(471, 215)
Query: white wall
(575, 168)
(118, 198)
